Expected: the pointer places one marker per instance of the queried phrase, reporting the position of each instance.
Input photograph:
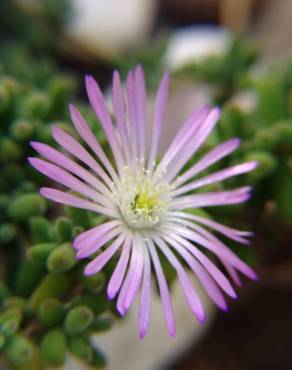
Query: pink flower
(145, 201)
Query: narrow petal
(211, 199)
(120, 270)
(95, 231)
(203, 232)
(230, 233)
(60, 159)
(145, 298)
(141, 109)
(220, 250)
(64, 178)
(73, 147)
(217, 176)
(213, 270)
(132, 116)
(207, 282)
(187, 131)
(163, 289)
(74, 201)
(90, 139)
(208, 159)
(120, 115)
(102, 259)
(132, 281)
(91, 246)
(195, 142)
(190, 293)
(232, 273)
(158, 119)
(98, 105)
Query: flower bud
(52, 285)
(18, 350)
(51, 312)
(101, 324)
(94, 283)
(281, 189)
(60, 91)
(22, 130)
(78, 320)
(99, 359)
(4, 292)
(5, 98)
(25, 206)
(78, 216)
(2, 341)
(10, 320)
(15, 302)
(61, 259)
(266, 139)
(27, 277)
(39, 229)
(76, 230)
(36, 104)
(284, 133)
(271, 105)
(63, 229)
(40, 252)
(267, 163)
(80, 346)
(9, 149)
(7, 233)
(98, 303)
(53, 348)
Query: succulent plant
(48, 309)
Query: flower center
(142, 201)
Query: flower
(145, 201)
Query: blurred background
(236, 54)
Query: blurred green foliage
(48, 308)
(41, 282)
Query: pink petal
(78, 151)
(230, 233)
(195, 142)
(102, 259)
(217, 176)
(220, 250)
(60, 159)
(141, 109)
(208, 159)
(95, 232)
(90, 139)
(186, 132)
(119, 272)
(73, 201)
(203, 276)
(132, 115)
(91, 246)
(213, 270)
(120, 115)
(98, 105)
(190, 293)
(163, 289)
(159, 109)
(211, 199)
(133, 279)
(63, 177)
(145, 299)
